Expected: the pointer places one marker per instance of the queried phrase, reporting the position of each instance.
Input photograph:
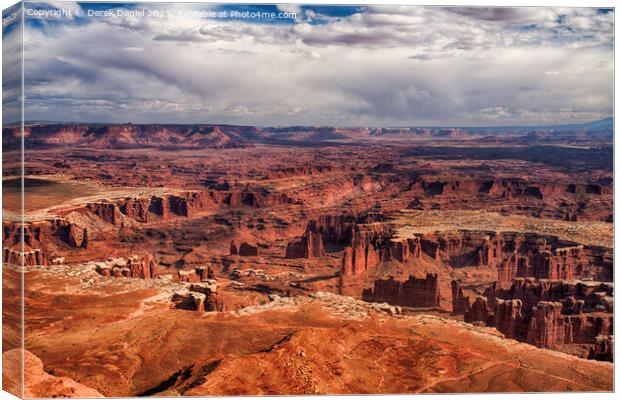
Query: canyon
(174, 260)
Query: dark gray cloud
(11, 76)
(513, 14)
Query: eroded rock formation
(561, 200)
(479, 310)
(31, 252)
(460, 303)
(359, 258)
(199, 297)
(556, 315)
(518, 255)
(108, 212)
(195, 275)
(248, 250)
(39, 382)
(310, 245)
(411, 293)
(137, 266)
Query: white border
(548, 3)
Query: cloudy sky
(345, 66)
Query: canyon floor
(239, 260)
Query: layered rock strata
(559, 315)
(410, 293)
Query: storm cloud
(364, 66)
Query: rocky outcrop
(199, 297)
(498, 188)
(144, 209)
(136, 209)
(511, 254)
(255, 199)
(212, 301)
(546, 326)
(548, 314)
(248, 250)
(478, 311)
(359, 258)
(31, 251)
(586, 328)
(159, 206)
(181, 204)
(143, 267)
(195, 275)
(186, 300)
(546, 199)
(342, 229)
(70, 233)
(178, 205)
(39, 383)
(309, 170)
(36, 237)
(308, 246)
(508, 317)
(411, 293)
(576, 296)
(603, 349)
(245, 249)
(460, 303)
(76, 236)
(516, 254)
(108, 212)
(399, 250)
(369, 245)
(12, 233)
(35, 257)
(137, 266)
(12, 257)
(335, 229)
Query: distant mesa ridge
(179, 136)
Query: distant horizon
(534, 125)
(306, 65)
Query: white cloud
(383, 66)
(290, 8)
